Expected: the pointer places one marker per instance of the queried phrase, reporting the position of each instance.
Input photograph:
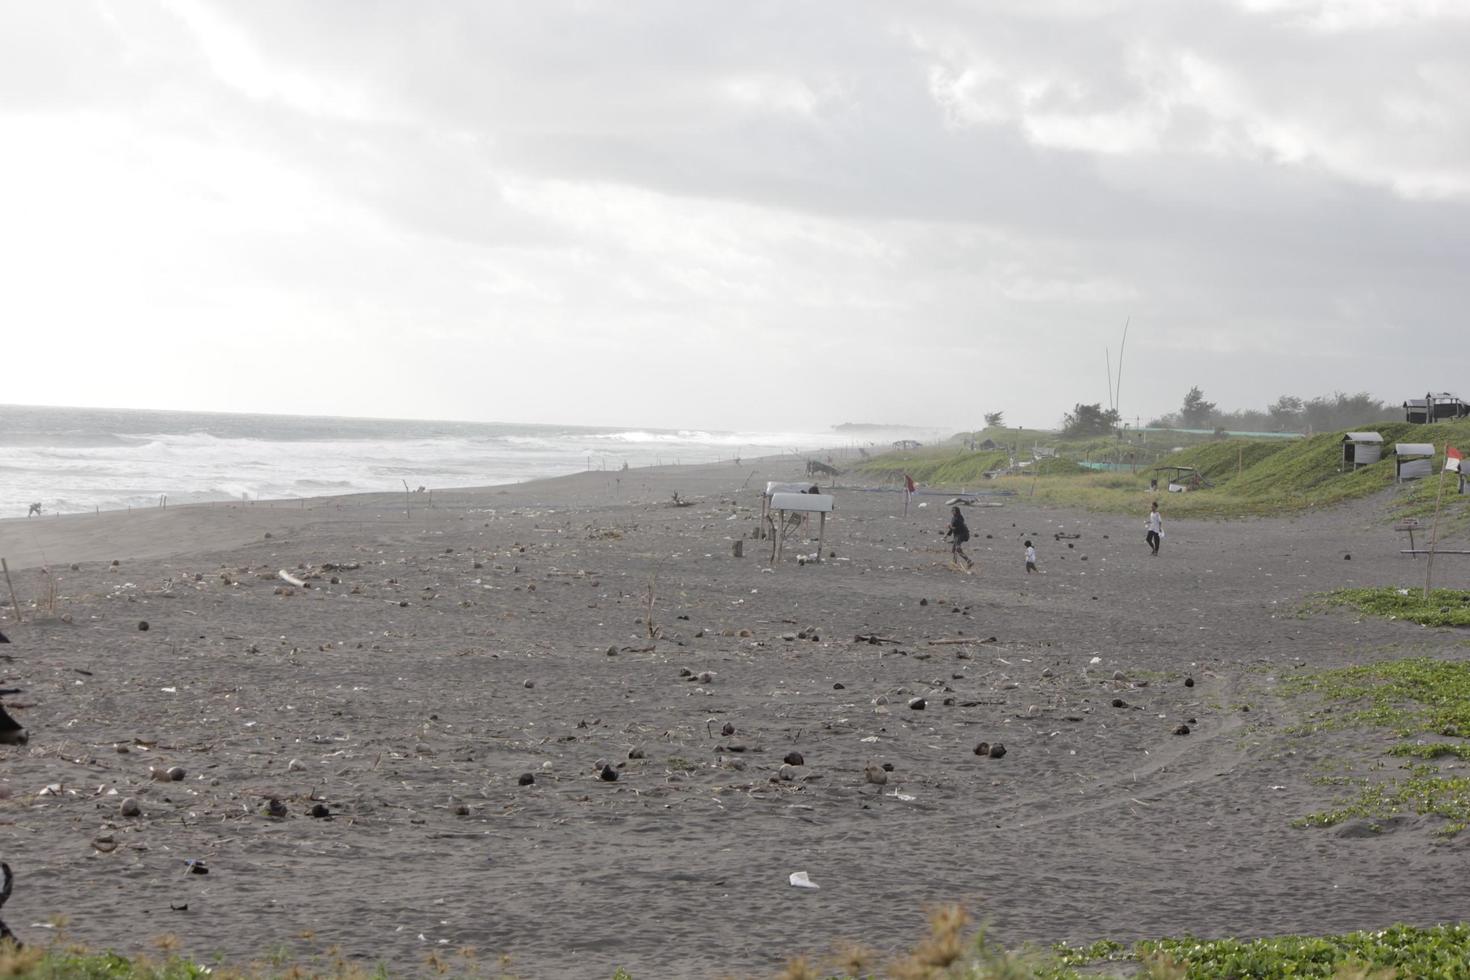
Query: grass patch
(1412, 697)
(1398, 951)
(1443, 607)
(949, 950)
(1249, 477)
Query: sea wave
(135, 459)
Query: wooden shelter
(803, 504)
(1433, 408)
(1414, 460)
(1361, 449)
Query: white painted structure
(784, 502)
(1415, 460)
(1361, 449)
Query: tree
(1196, 413)
(1286, 412)
(994, 420)
(1089, 420)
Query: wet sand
(502, 632)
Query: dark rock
(923, 602)
(983, 748)
(142, 626)
(887, 767)
(997, 750)
(918, 704)
(1189, 682)
(1119, 703)
(839, 686)
(1347, 557)
(526, 779)
(795, 759)
(319, 811)
(609, 774)
(612, 651)
(727, 729)
(275, 808)
(635, 753)
(1182, 730)
(11, 731)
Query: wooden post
(821, 534)
(13, 600)
(1433, 535)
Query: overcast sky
(752, 215)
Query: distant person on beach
(958, 534)
(1030, 558)
(1155, 527)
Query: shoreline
(469, 646)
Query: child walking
(958, 534)
(1030, 558)
(1155, 529)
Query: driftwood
(961, 639)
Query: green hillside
(1246, 476)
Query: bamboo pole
(13, 600)
(1434, 535)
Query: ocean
(73, 460)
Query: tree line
(1324, 413)
(1289, 413)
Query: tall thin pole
(1434, 534)
(1118, 387)
(13, 600)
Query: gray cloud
(936, 209)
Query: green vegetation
(1245, 477)
(948, 951)
(1398, 951)
(1412, 698)
(1443, 607)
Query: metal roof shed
(1415, 459)
(1361, 449)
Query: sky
(773, 215)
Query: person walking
(1030, 558)
(958, 534)
(1155, 527)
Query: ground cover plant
(951, 950)
(1442, 607)
(1245, 477)
(1422, 700)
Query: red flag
(1452, 458)
(908, 484)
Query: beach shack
(773, 488)
(802, 504)
(1434, 407)
(1415, 459)
(1361, 449)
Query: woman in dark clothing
(958, 534)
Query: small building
(1361, 449)
(1415, 459)
(1433, 408)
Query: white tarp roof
(1362, 437)
(1414, 448)
(810, 503)
(774, 487)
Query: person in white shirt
(1030, 558)
(1155, 528)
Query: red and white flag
(1452, 458)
